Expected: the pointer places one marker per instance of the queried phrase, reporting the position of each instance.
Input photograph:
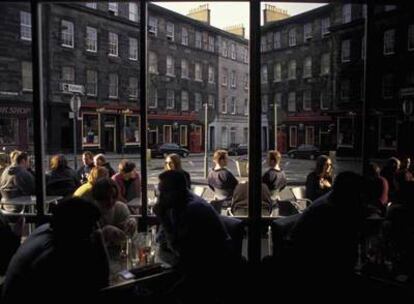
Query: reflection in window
(387, 133)
(292, 69)
(325, 64)
(9, 130)
(131, 129)
(153, 25)
(198, 72)
(90, 129)
(170, 66)
(153, 63)
(184, 68)
(345, 132)
(307, 67)
(277, 72)
(264, 74)
(133, 11)
(68, 74)
(113, 8)
(170, 31)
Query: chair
(300, 200)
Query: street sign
(73, 88)
(75, 103)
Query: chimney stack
(237, 29)
(201, 13)
(273, 13)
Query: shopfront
(16, 127)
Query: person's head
(99, 160)
(87, 158)
(173, 191)
(392, 165)
(405, 163)
(323, 166)
(220, 158)
(58, 162)
(105, 192)
(273, 158)
(4, 160)
(126, 169)
(173, 162)
(348, 190)
(74, 219)
(373, 170)
(97, 173)
(19, 158)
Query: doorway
(109, 139)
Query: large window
(133, 87)
(27, 79)
(153, 26)
(277, 72)
(68, 75)
(198, 40)
(67, 34)
(113, 44)
(307, 100)
(211, 74)
(346, 13)
(153, 63)
(292, 37)
(264, 77)
(184, 69)
(25, 26)
(113, 8)
(133, 48)
(113, 85)
(387, 133)
(292, 70)
(133, 11)
(170, 31)
(184, 101)
(389, 42)
(131, 130)
(276, 41)
(233, 79)
(307, 31)
(91, 39)
(307, 67)
(91, 82)
(90, 129)
(197, 102)
(325, 24)
(170, 66)
(184, 36)
(325, 64)
(198, 74)
(345, 132)
(292, 102)
(170, 99)
(346, 50)
(9, 131)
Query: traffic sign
(73, 88)
(75, 103)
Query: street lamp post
(205, 140)
(275, 121)
(75, 104)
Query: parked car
(163, 150)
(305, 151)
(241, 149)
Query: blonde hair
(275, 156)
(176, 160)
(4, 160)
(97, 173)
(100, 157)
(219, 154)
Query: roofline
(152, 6)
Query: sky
(225, 14)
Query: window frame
(25, 26)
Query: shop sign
(14, 110)
(7, 93)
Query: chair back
(235, 229)
(298, 192)
(281, 228)
(199, 190)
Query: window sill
(67, 46)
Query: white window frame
(276, 41)
(292, 102)
(113, 7)
(112, 44)
(211, 78)
(27, 76)
(225, 77)
(346, 50)
(233, 105)
(389, 42)
(185, 104)
(223, 107)
(410, 37)
(184, 142)
(346, 13)
(114, 85)
(292, 37)
(184, 36)
(169, 31)
(307, 100)
(133, 89)
(133, 12)
(91, 82)
(233, 79)
(307, 31)
(91, 39)
(170, 63)
(25, 26)
(307, 67)
(184, 69)
(67, 34)
(133, 48)
(170, 100)
(292, 68)
(92, 5)
(325, 24)
(152, 63)
(198, 72)
(153, 25)
(291, 129)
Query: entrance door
(109, 139)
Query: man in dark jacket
(16, 180)
(83, 172)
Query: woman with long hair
(61, 179)
(173, 162)
(319, 181)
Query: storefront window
(8, 130)
(345, 132)
(388, 133)
(131, 129)
(90, 130)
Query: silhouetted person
(220, 179)
(274, 177)
(128, 181)
(9, 241)
(61, 179)
(376, 189)
(389, 172)
(63, 259)
(319, 181)
(325, 237)
(173, 162)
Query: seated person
(61, 179)
(115, 217)
(319, 181)
(274, 177)
(239, 205)
(220, 179)
(100, 161)
(173, 162)
(65, 258)
(85, 191)
(84, 171)
(128, 181)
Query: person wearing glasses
(220, 179)
(319, 181)
(173, 162)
